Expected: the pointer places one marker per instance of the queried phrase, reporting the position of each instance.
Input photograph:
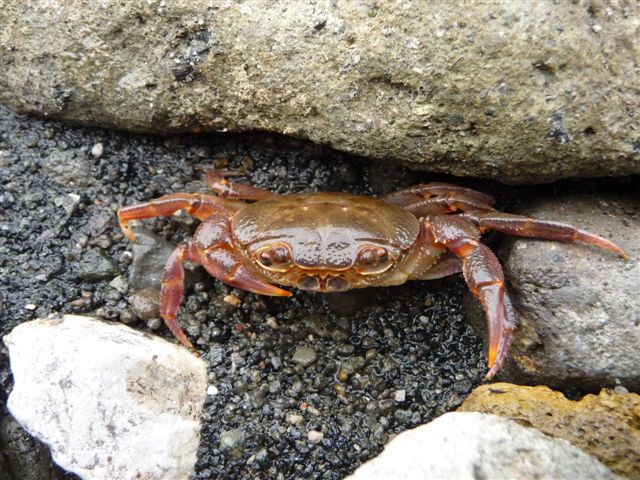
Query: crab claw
(483, 273)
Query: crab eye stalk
(373, 260)
(276, 257)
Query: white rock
(111, 402)
(469, 445)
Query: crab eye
(275, 257)
(373, 260)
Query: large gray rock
(519, 92)
(578, 307)
(111, 402)
(466, 445)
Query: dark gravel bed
(305, 387)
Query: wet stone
(140, 392)
(232, 440)
(96, 266)
(304, 356)
(146, 303)
(314, 436)
(150, 253)
(97, 150)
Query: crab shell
(326, 242)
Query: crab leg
(483, 274)
(172, 287)
(217, 181)
(542, 229)
(449, 264)
(209, 248)
(447, 204)
(424, 191)
(196, 204)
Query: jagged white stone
(111, 402)
(470, 445)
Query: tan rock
(523, 92)
(606, 425)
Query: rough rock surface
(111, 402)
(578, 307)
(492, 89)
(469, 445)
(606, 426)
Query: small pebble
(276, 362)
(231, 439)
(315, 436)
(154, 323)
(272, 321)
(342, 375)
(232, 300)
(97, 150)
(212, 390)
(146, 303)
(304, 356)
(127, 317)
(294, 418)
(400, 396)
(120, 284)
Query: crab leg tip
(492, 355)
(126, 228)
(601, 242)
(490, 374)
(129, 234)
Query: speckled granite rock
(606, 426)
(469, 445)
(492, 89)
(110, 402)
(578, 307)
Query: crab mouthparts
(323, 283)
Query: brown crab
(331, 242)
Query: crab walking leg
(447, 204)
(520, 226)
(424, 191)
(195, 204)
(449, 264)
(172, 287)
(483, 274)
(217, 181)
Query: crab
(256, 240)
